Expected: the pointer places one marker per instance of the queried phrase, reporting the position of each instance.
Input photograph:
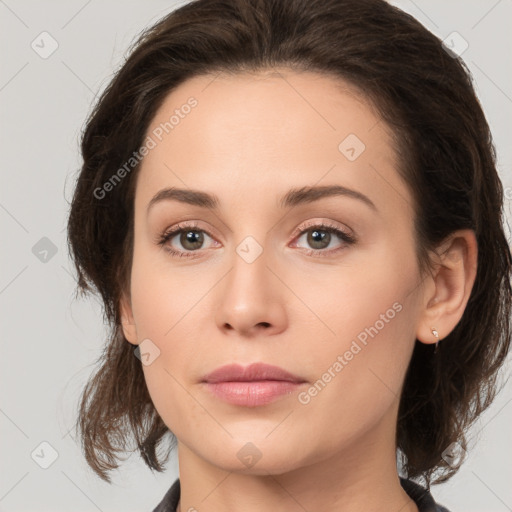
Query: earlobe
(127, 321)
(450, 286)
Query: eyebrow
(293, 197)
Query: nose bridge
(250, 295)
(249, 274)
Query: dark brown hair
(447, 158)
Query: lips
(255, 385)
(251, 373)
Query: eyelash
(193, 226)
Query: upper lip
(253, 372)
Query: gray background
(50, 342)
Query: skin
(250, 139)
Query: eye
(320, 235)
(188, 235)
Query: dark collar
(421, 496)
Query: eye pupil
(318, 236)
(193, 237)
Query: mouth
(251, 386)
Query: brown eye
(320, 237)
(183, 240)
(191, 240)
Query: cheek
(357, 376)
(364, 301)
(369, 339)
(367, 318)
(165, 306)
(160, 297)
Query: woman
(292, 213)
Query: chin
(263, 467)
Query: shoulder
(421, 496)
(171, 499)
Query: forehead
(265, 132)
(287, 104)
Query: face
(322, 283)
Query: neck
(360, 477)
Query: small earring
(436, 334)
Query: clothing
(423, 499)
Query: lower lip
(251, 394)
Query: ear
(127, 321)
(447, 290)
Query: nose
(251, 300)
